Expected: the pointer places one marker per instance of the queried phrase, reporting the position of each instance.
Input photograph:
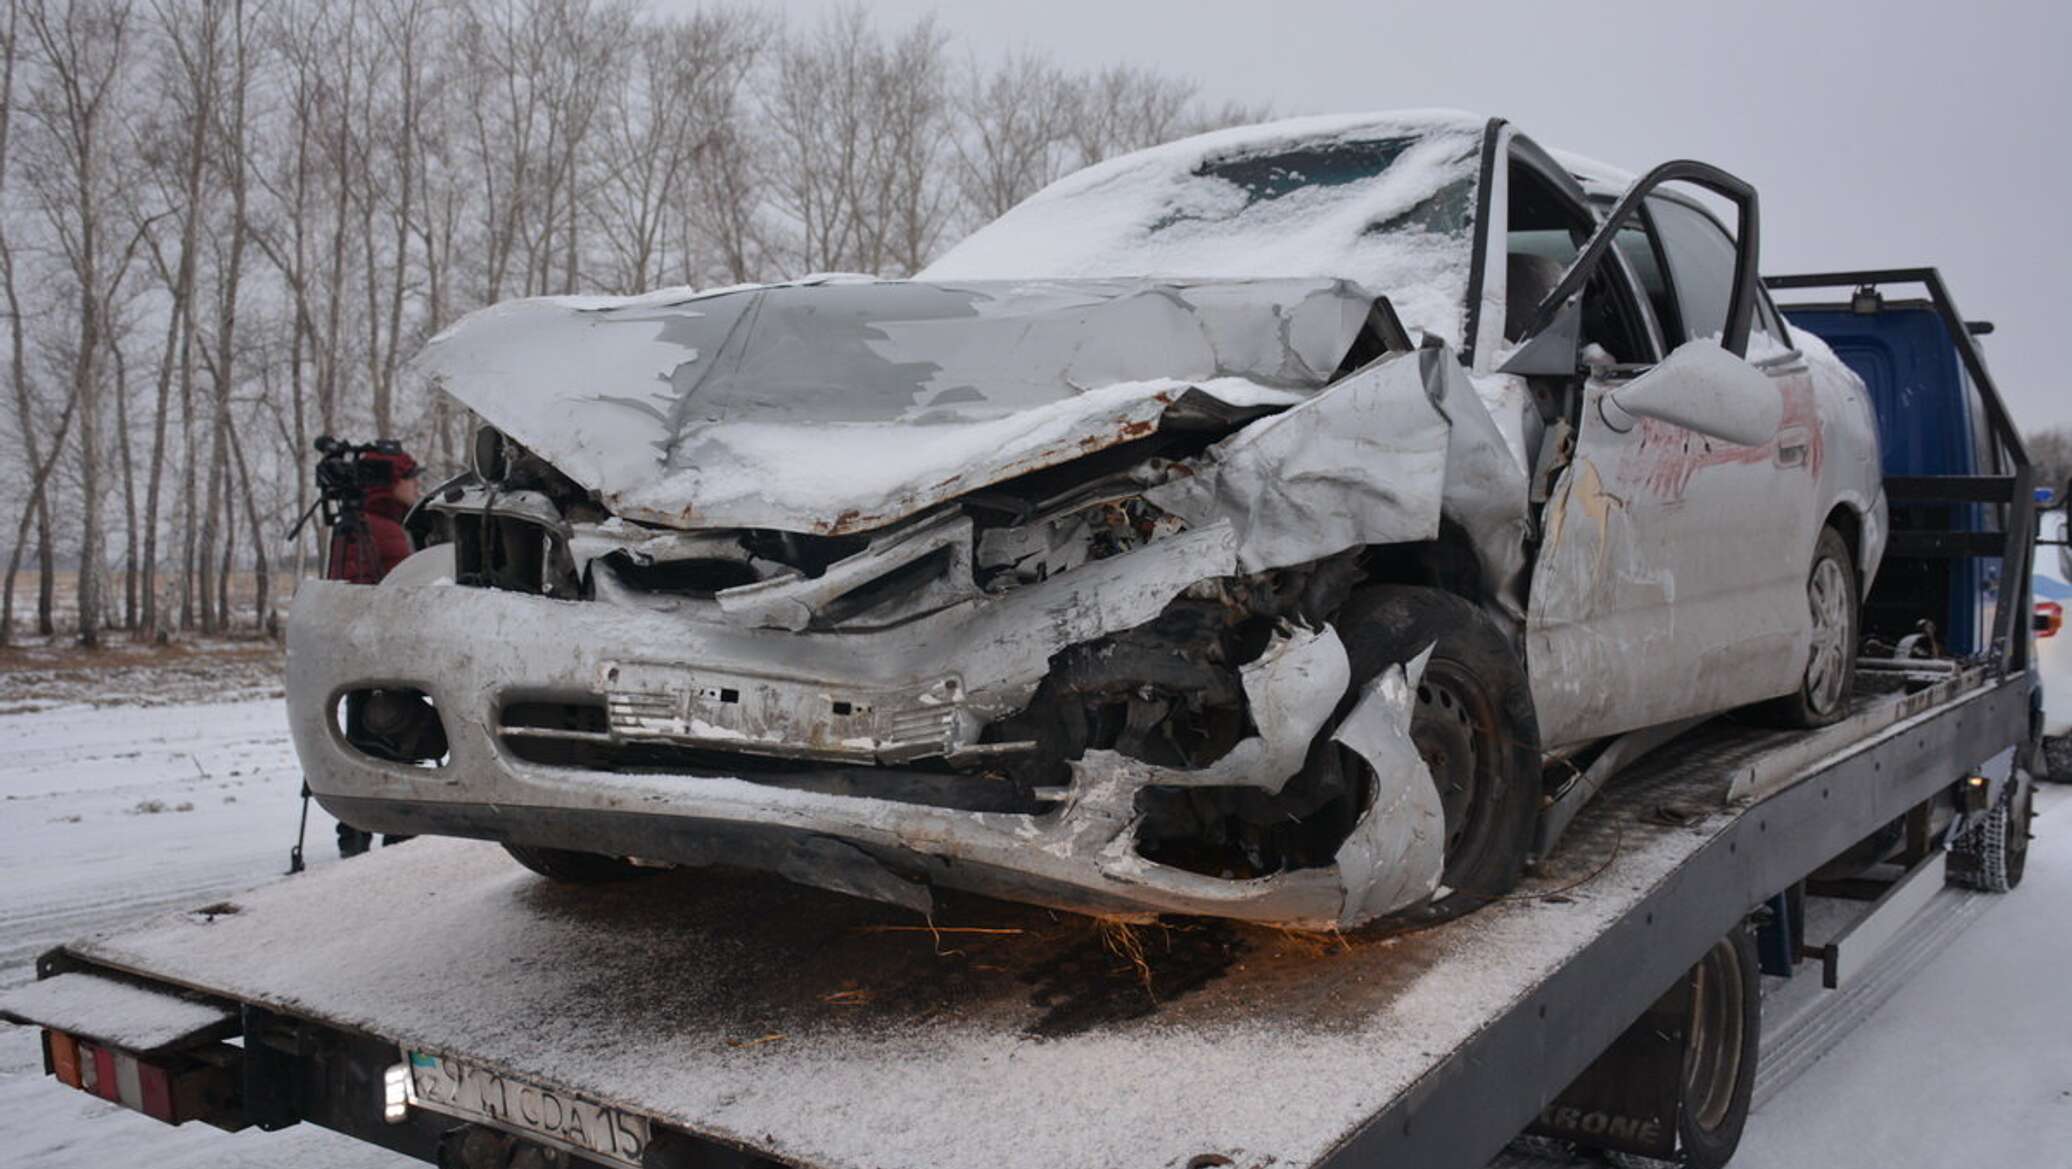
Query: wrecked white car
(1275, 524)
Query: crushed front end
(1107, 683)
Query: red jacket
(382, 542)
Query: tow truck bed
(751, 1019)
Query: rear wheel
(1473, 725)
(576, 868)
(1830, 673)
(1720, 1048)
(1992, 854)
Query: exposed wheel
(1473, 725)
(1992, 854)
(576, 868)
(1830, 673)
(1720, 1048)
(2057, 758)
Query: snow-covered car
(1272, 524)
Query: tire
(2057, 758)
(1830, 674)
(1992, 855)
(568, 867)
(1720, 1051)
(1473, 724)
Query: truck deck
(755, 1021)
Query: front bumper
(474, 651)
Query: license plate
(547, 1115)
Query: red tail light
(2050, 617)
(157, 1091)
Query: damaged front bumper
(850, 760)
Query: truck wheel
(576, 868)
(1720, 1051)
(2057, 758)
(1473, 725)
(1991, 855)
(1830, 673)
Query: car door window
(1545, 234)
(1637, 244)
(1700, 257)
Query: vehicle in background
(1946, 590)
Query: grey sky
(1886, 134)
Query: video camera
(343, 479)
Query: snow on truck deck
(897, 1011)
(835, 1032)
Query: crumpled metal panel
(1379, 458)
(1397, 852)
(1291, 690)
(840, 407)
(1363, 462)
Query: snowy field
(114, 812)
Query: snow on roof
(1382, 199)
(1597, 177)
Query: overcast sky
(1880, 134)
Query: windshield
(1385, 201)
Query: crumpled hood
(842, 406)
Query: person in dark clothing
(365, 548)
(367, 544)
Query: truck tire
(1992, 855)
(1720, 1051)
(1473, 724)
(2057, 758)
(568, 867)
(1830, 673)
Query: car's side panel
(1670, 580)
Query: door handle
(1792, 444)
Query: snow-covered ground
(1970, 1063)
(109, 813)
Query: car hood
(842, 405)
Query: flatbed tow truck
(439, 1001)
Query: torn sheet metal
(1391, 860)
(840, 407)
(1379, 458)
(1363, 462)
(1292, 688)
(1486, 493)
(1395, 855)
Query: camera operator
(364, 492)
(364, 547)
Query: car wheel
(1473, 725)
(1720, 1049)
(1830, 673)
(1992, 855)
(569, 867)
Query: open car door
(1669, 581)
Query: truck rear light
(64, 1057)
(2050, 617)
(172, 1093)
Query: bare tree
(317, 186)
(38, 506)
(82, 50)
(1017, 117)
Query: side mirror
(1704, 388)
(1554, 350)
